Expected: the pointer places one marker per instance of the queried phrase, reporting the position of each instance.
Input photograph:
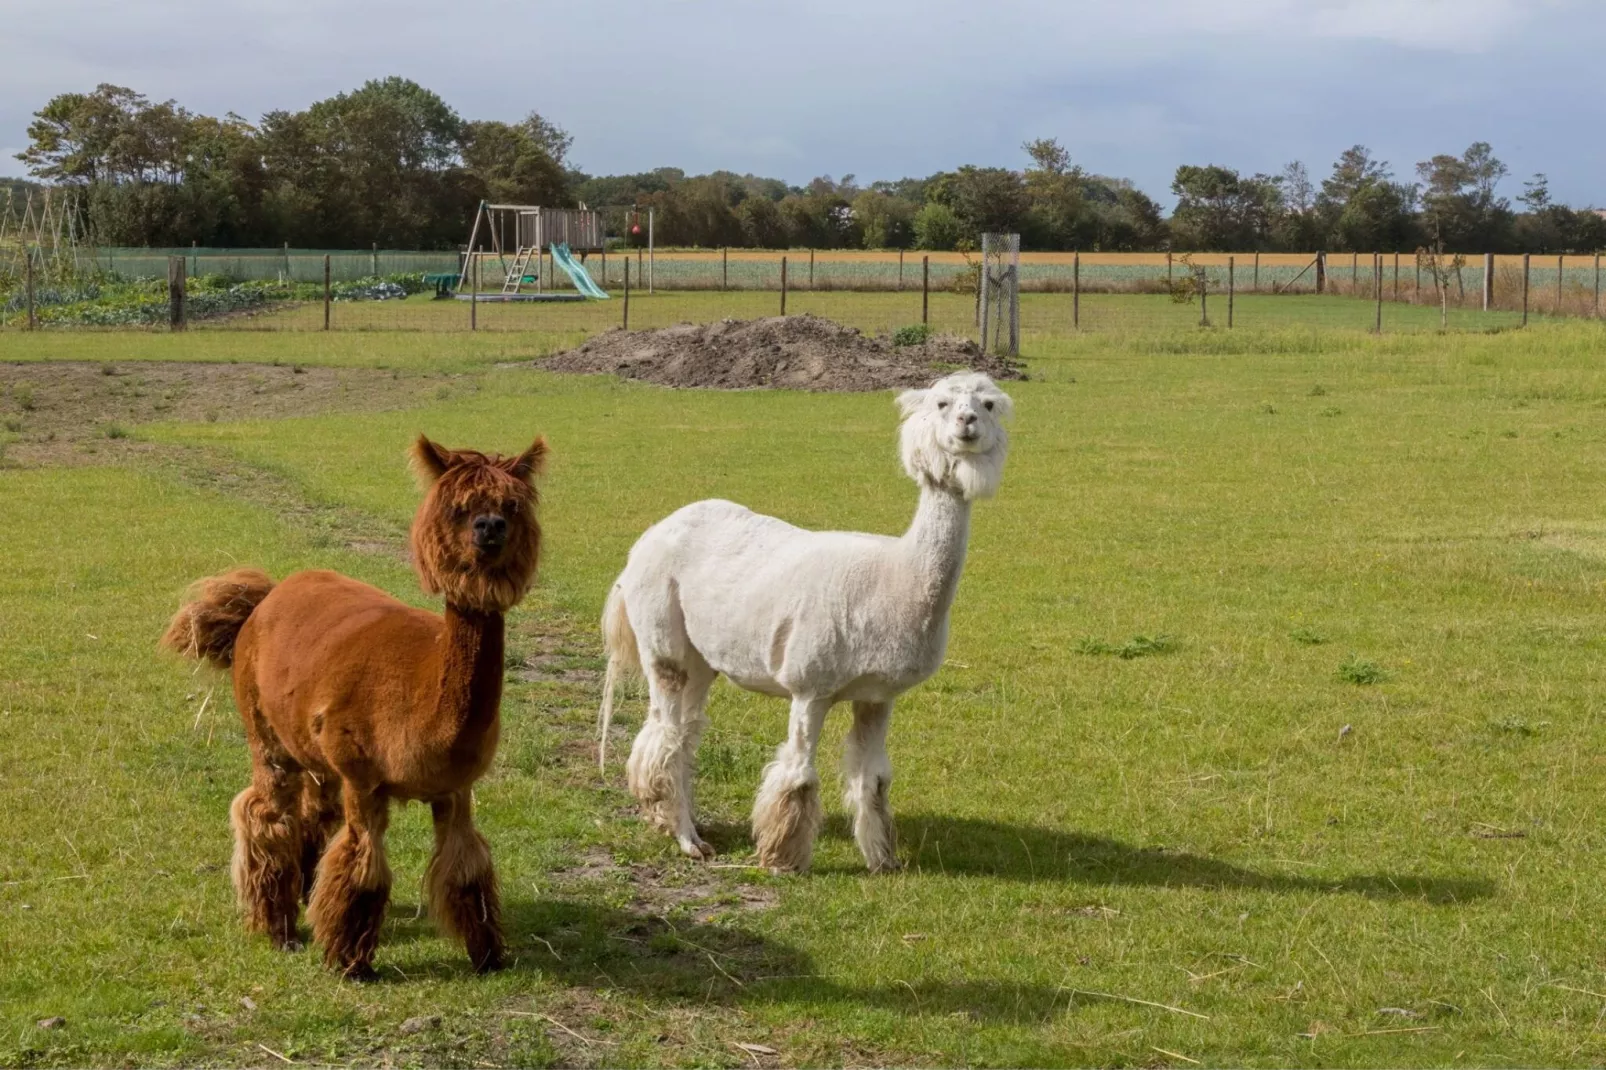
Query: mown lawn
(1270, 732)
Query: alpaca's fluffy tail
(619, 640)
(213, 613)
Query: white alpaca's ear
(1003, 407)
(910, 400)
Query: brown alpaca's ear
(429, 460)
(530, 463)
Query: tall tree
(1459, 203)
(1217, 209)
(1362, 209)
(1054, 195)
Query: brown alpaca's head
(476, 539)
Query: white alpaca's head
(953, 434)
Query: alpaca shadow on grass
(956, 846)
(936, 844)
(676, 958)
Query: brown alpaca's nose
(489, 531)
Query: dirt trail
(781, 352)
(51, 411)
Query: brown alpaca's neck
(471, 676)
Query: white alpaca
(819, 617)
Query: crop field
(1270, 732)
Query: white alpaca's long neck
(934, 548)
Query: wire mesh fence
(378, 290)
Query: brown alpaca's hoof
(360, 972)
(491, 963)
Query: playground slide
(582, 281)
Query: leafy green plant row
(109, 301)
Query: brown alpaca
(352, 700)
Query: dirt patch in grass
(67, 412)
(781, 352)
(673, 888)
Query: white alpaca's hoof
(891, 865)
(696, 848)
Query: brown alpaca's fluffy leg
(787, 812)
(462, 884)
(320, 816)
(266, 821)
(267, 852)
(352, 887)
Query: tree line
(392, 164)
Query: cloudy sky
(886, 88)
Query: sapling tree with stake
(1443, 267)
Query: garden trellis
(42, 226)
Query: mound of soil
(781, 352)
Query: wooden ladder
(521, 263)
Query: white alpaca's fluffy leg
(662, 757)
(786, 814)
(867, 777)
(647, 771)
(690, 719)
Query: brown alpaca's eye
(987, 405)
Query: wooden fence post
(627, 294)
(783, 285)
(1377, 286)
(175, 292)
(900, 271)
(1257, 273)
(326, 291)
(925, 286)
(474, 296)
(1355, 270)
(605, 267)
(811, 267)
(374, 267)
(724, 268)
(33, 313)
(1597, 286)
(1204, 297)
(287, 277)
(1396, 275)
(1321, 272)
(1525, 259)
(1231, 288)
(1416, 292)
(1488, 281)
(1561, 271)
(1169, 283)
(1076, 290)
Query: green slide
(582, 281)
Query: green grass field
(1270, 732)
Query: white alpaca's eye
(987, 405)
(942, 405)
